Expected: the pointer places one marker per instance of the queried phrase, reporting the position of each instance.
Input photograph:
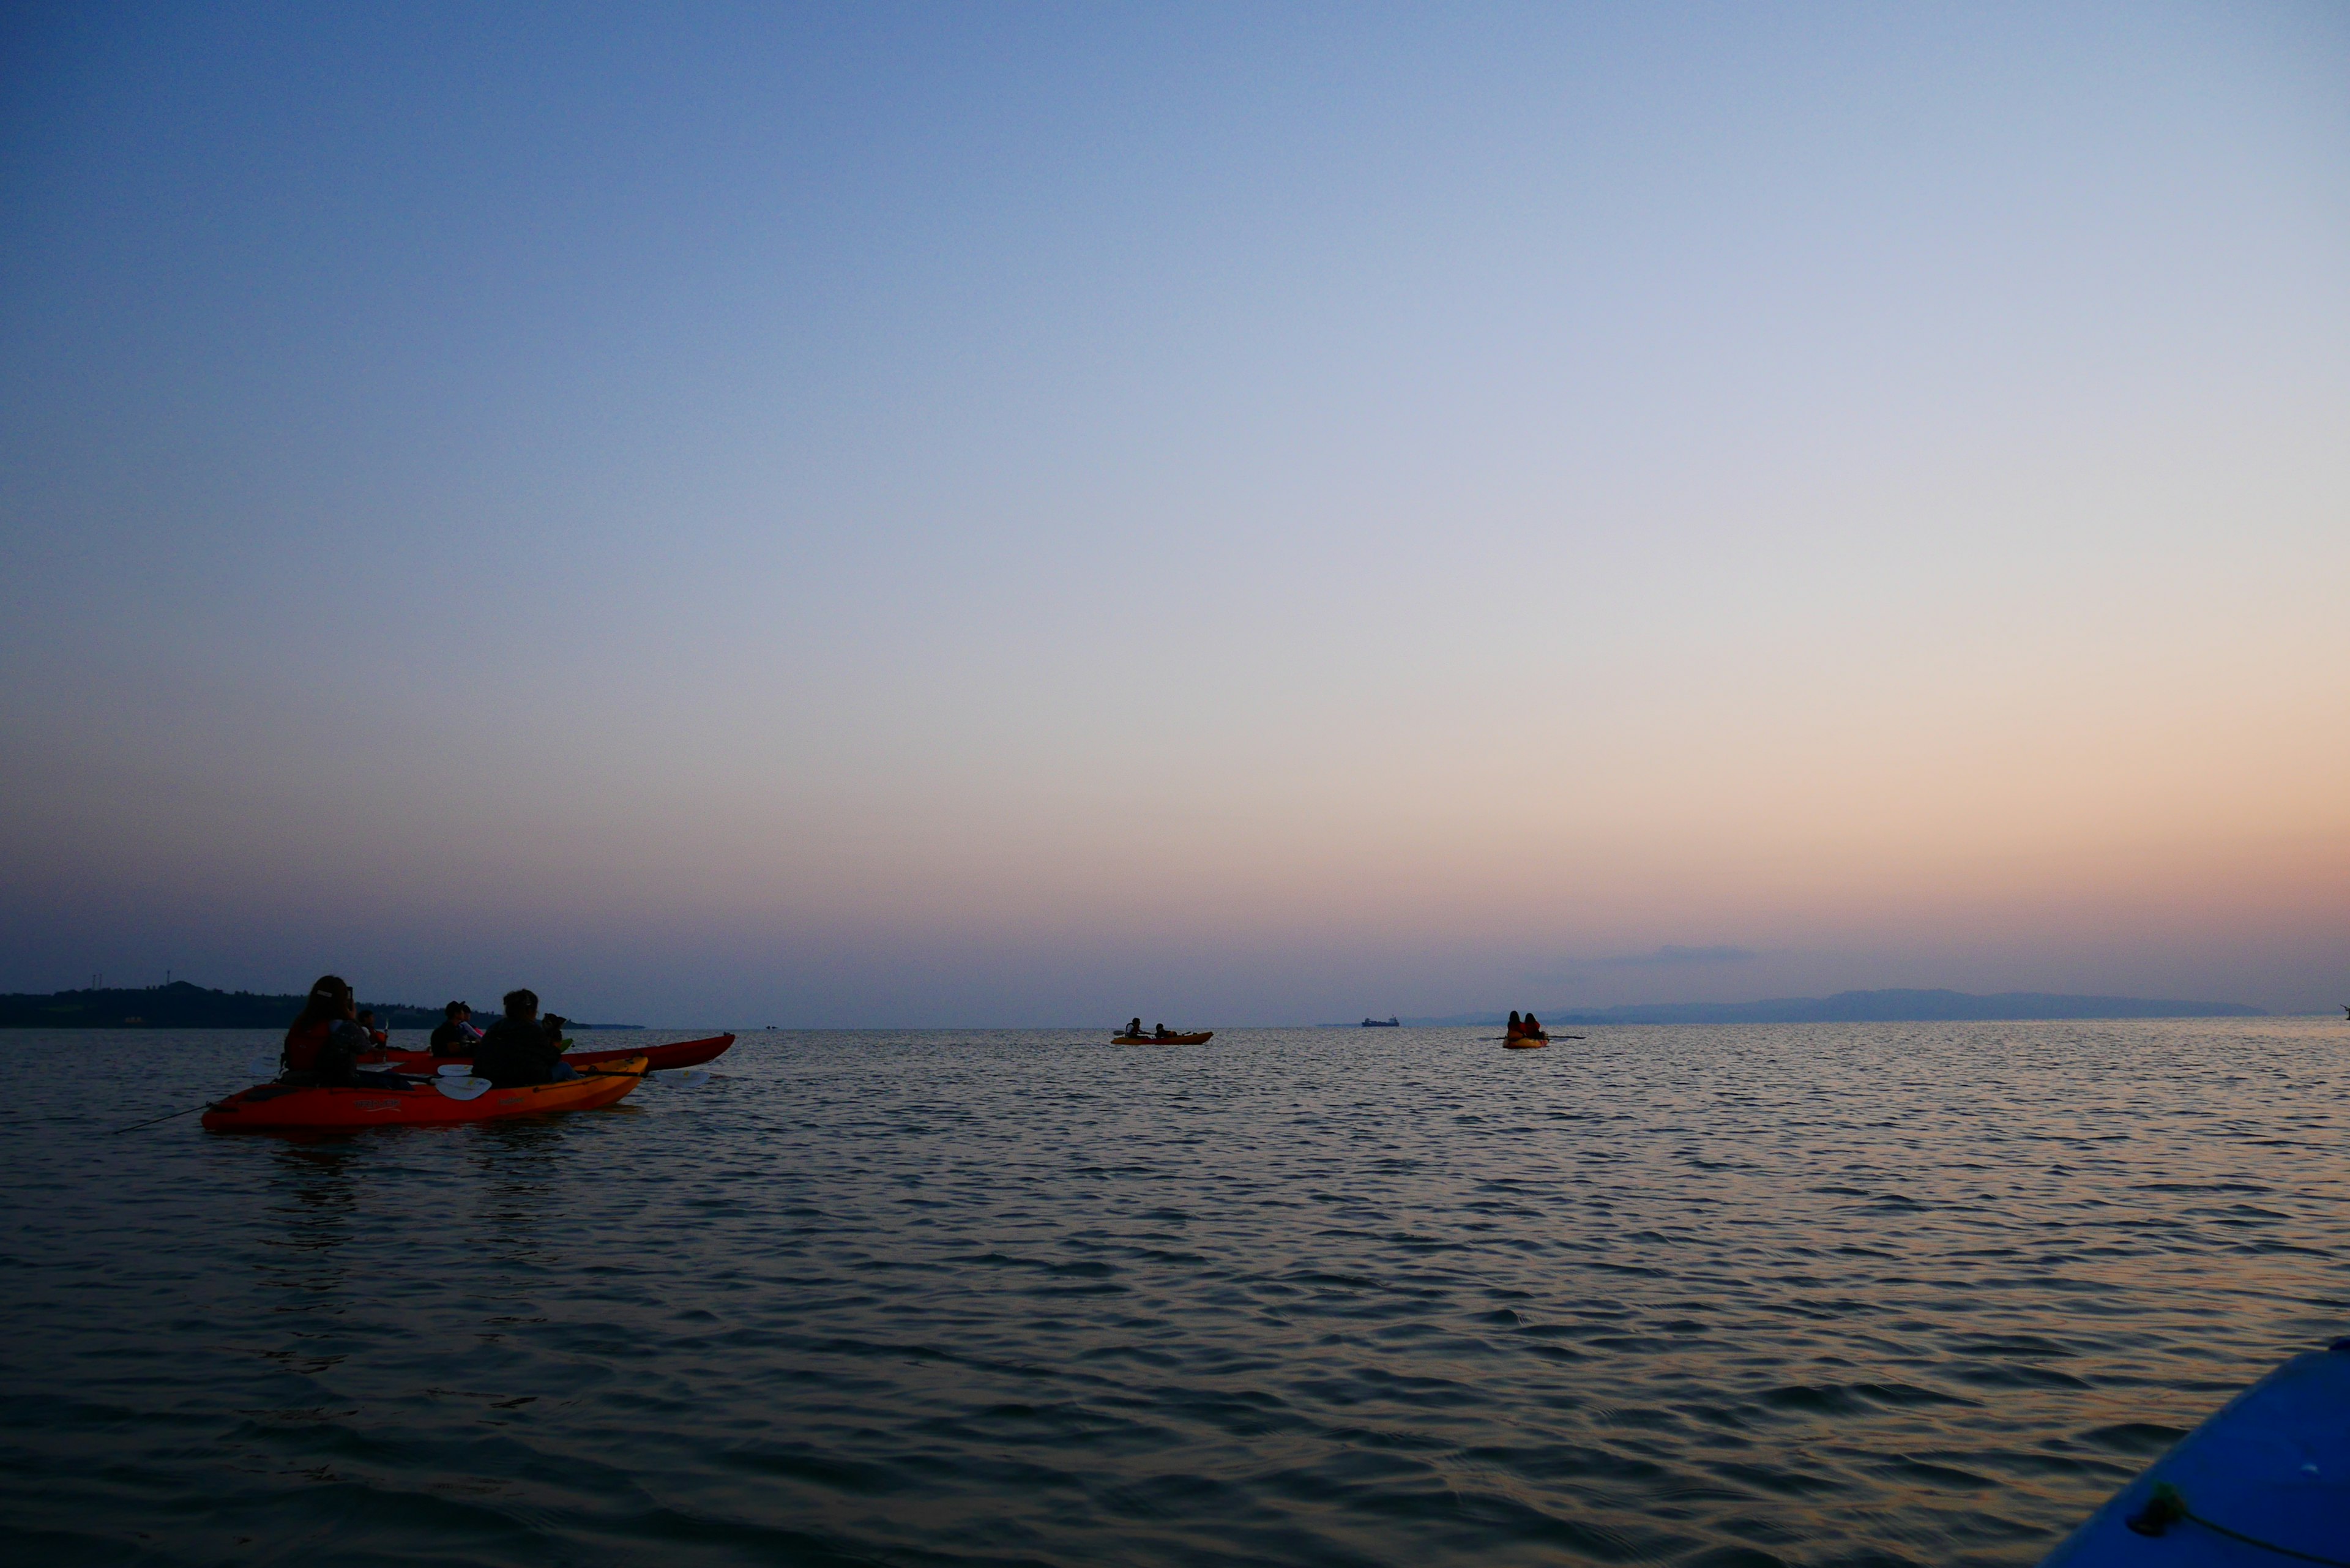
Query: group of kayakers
(325, 1044)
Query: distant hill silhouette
(179, 1005)
(182, 1005)
(1883, 1007)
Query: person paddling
(519, 1050)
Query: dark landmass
(183, 1005)
(1881, 1007)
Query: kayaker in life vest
(518, 1050)
(454, 1036)
(327, 1040)
(375, 1033)
(1515, 1027)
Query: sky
(1028, 514)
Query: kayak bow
(2263, 1483)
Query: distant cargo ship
(1392, 1022)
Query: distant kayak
(1524, 1041)
(284, 1107)
(677, 1054)
(1198, 1039)
(2264, 1482)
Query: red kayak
(678, 1054)
(281, 1108)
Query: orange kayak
(281, 1108)
(1521, 1041)
(677, 1054)
(1200, 1039)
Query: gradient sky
(1026, 514)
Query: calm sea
(1909, 1293)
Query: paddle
(151, 1121)
(456, 1080)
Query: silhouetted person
(517, 1051)
(325, 1043)
(454, 1036)
(1133, 1029)
(1513, 1020)
(1533, 1024)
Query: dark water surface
(1918, 1293)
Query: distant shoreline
(185, 1005)
(1881, 1007)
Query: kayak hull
(280, 1107)
(1526, 1043)
(1200, 1039)
(2272, 1464)
(658, 1058)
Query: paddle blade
(688, 1077)
(463, 1088)
(453, 1070)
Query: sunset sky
(970, 515)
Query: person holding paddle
(520, 1050)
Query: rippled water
(1854, 1294)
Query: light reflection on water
(1868, 1293)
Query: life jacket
(315, 1054)
(302, 1042)
(515, 1054)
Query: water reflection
(1920, 1294)
(313, 1209)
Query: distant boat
(1382, 1022)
